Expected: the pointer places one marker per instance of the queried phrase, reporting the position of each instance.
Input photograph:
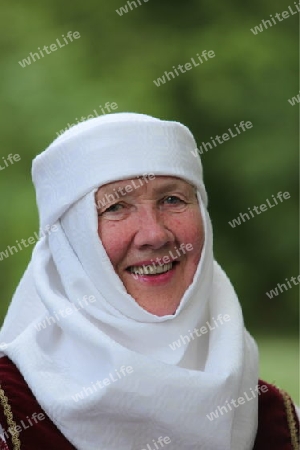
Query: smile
(151, 269)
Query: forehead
(156, 183)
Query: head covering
(109, 374)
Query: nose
(152, 230)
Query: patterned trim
(10, 420)
(290, 419)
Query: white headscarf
(98, 331)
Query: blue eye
(172, 203)
(112, 208)
(173, 200)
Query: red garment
(3, 445)
(276, 417)
(274, 431)
(43, 434)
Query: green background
(116, 59)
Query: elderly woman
(124, 333)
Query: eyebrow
(168, 186)
(171, 186)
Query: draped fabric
(278, 426)
(101, 367)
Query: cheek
(193, 233)
(115, 239)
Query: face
(152, 231)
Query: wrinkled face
(152, 231)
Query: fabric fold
(104, 369)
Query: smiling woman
(145, 257)
(151, 223)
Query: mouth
(151, 270)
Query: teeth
(150, 270)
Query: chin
(159, 309)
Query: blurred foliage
(116, 60)
(279, 363)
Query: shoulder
(22, 419)
(278, 423)
(11, 396)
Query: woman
(124, 333)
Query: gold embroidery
(10, 420)
(291, 419)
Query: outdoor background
(116, 60)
